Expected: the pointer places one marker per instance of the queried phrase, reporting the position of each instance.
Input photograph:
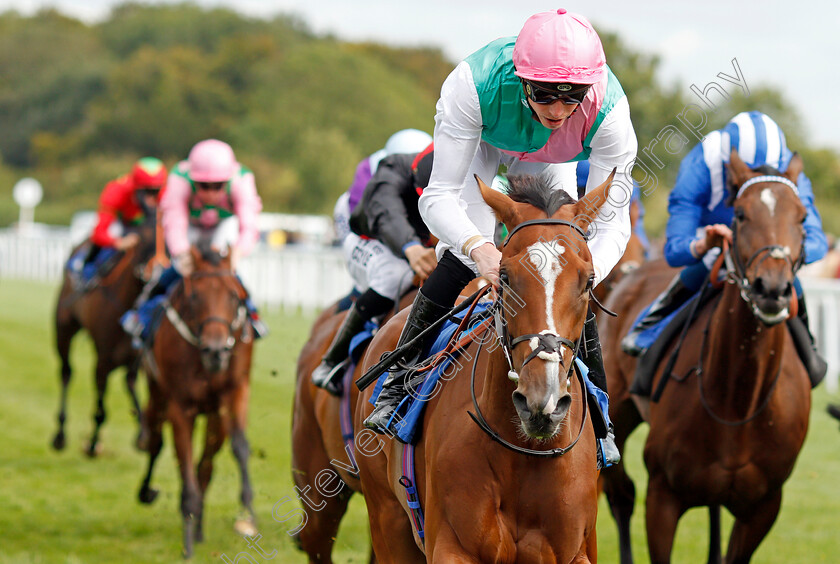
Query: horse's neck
(742, 356)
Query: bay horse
(527, 494)
(200, 363)
(731, 421)
(318, 445)
(98, 311)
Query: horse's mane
(537, 191)
(209, 254)
(765, 169)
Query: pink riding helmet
(212, 160)
(559, 46)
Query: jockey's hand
(487, 258)
(715, 234)
(183, 263)
(422, 260)
(126, 242)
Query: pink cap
(559, 46)
(212, 160)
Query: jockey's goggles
(550, 92)
(210, 186)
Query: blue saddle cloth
(409, 413)
(648, 337)
(86, 272)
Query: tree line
(80, 102)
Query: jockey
(390, 245)
(128, 200)
(402, 142)
(639, 228)
(531, 103)
(700, 217)
(210, 199)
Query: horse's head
(546, 274)
(768, 236)
(213, 307)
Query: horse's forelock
(764, 169)
(538, 192)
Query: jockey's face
(210, 193)
(553, 115)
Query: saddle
(646, 367)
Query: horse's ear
(795, 168)
(737, 170)
(503, 205)
(587, 208)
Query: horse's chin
(544, 427)
(214, 363)
(770, 311)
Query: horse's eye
(504, 278)
(739, 214)
(590, 282)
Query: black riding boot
(424, 312)
(675, 295)
(328, 374)
(803, 340)
(591, 356)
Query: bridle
(737, 268)
(548, 343)
(194, 337)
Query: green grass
(65, 508)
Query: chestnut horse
(528, 493)
(200, 363)
(318, 446)
(732, 419)
(98, 311)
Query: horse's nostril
(758, 285)
(520, 402)
(788, 290)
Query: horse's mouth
(215, 361)
(770, 311)
(542, 426)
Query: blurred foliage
(78, 103)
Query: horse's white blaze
(546, 260)
(545, 256)
(769, 200)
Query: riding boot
(803, 340)
(424, 312)
(92, 253)
(591, 356)
(675, 295)
(328, 374)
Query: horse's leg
(391, 532)
(663, 511)
(213, 441)
(750, 529)
(618, 487)
(324, 514)
(103, 370)
(714, 534)
(131, 384)
(155, 417)
(241, 450)
(182, 432)
(66, 326)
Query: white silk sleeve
(457, 136)
(614, 145)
